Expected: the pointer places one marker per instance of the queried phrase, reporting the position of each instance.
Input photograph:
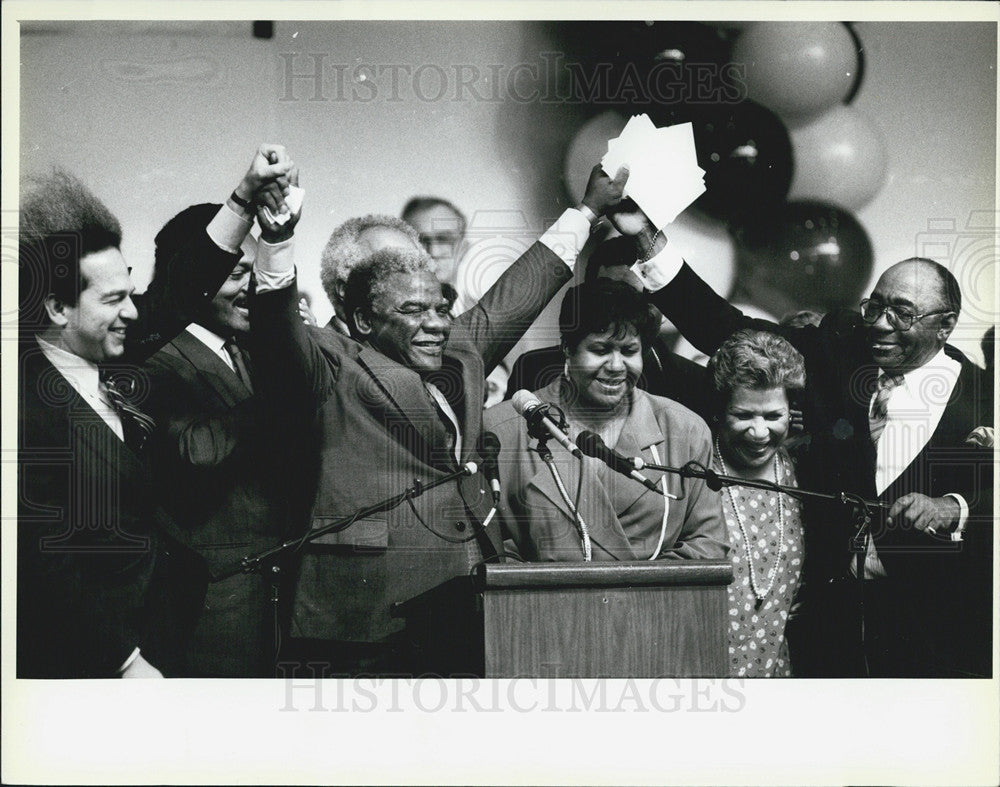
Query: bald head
(929, 293)
(938, 279)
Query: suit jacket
(664, 373)
(218, 470)
(89, 545)
(379, 432)
(624, 518)
(948, 583)
(86, 533)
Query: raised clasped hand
(267, 179)
(603, 192)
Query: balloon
(735, 25)
(707, 247)
(747, 157)
(587, 149)
(840, 157)
(806, 255)
(691, 44)
(797, 69)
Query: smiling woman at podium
(577, 509)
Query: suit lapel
(640, 431)
(403, 402)
(87, 431)
(596, 508)
(963, 413)
(211, 369)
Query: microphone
(712, 480)
(489, 450)
(536, 414)
(592, 445)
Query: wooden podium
(637, 619)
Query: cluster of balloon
(806, 254)
(808, 74)
(788, 132)
(811, 251)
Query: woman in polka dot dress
(753, 373)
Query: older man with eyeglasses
(893, 412)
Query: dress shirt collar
(83, 374)
(211, 340)
(915, 380)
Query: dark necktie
(239, 362)
(880, 407)
(136, 425)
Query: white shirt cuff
(963, 516)
(274, 266)
(228, 229)
(567, 236)
(657, 272)
(128, 661)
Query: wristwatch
(245, 204)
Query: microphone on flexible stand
(712, 480)
(536, 413)
(489, 450)
(592, 445)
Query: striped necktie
(136, 425)
(880, 406)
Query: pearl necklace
(773, 571)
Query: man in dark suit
(664, 373)
(87, 524)
(400, 400)
(219, 464)
(891, 408)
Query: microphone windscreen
(523, 401)
(591, 443)
(489, 445)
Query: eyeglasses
(898, 317)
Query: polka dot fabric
(757, 645)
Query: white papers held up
(664, 176)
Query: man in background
(441, 227)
